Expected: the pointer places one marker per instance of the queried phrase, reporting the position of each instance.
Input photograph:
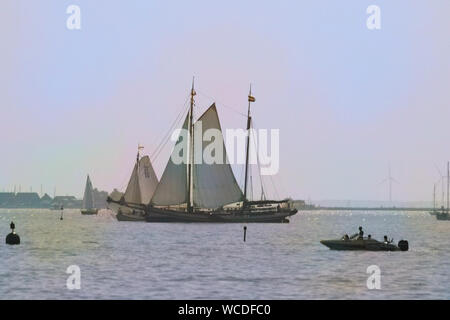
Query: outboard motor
(403, 245)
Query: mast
(448, 183)
(191, 149)
(137, 169)
(434, 197)
(249, 120)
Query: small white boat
(88, 199)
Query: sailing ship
(208, 192)
(130, 206)
(444, 213)
(88, 199)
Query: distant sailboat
(130, 206)
(444, 213)
(191, 192)
(88, 199)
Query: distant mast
(138, 157)
(191, 149)
(249, 120)
(448, 183)
(434, 197)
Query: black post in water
(62, 210)
(12, 238)
(245, 233)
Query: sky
(349, 102)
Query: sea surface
(138, 260)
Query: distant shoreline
(311, 208)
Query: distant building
(46, 201)
(31, 200)
(100, 199)
(302, 205)
(27, 200)
(7, 199)
(69, 202)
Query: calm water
(126, 260)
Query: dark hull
(366, 245)
(127, 212)
(89, 212)
(129, 217)
(239, 216)
(442, 216)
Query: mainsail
(214, 183)
(88, 199)
(147, 179)
(142, 183)
(133, 192)
(172, 189)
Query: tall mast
(249, 121)
(191, 149)
(137, 157)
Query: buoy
(12, 238)
(245, 232)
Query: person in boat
(346, 237)
(361, 233)
(386, 240)
(369, 237)
(358, 235)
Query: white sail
(172, 189)
(133, 191)
(214, 184)
(88, 199)
(147, 179)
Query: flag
(251, 99)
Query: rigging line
(164, 143)
(271, 179)
(168, 133)
(275, 188)
(263, 186)
(258, 163)
(176, 120)
(165, 138)
(223, 104)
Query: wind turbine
(389, 179)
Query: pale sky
(348, 101)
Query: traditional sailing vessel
(208, 192)
(130, 206)
(88, 199)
